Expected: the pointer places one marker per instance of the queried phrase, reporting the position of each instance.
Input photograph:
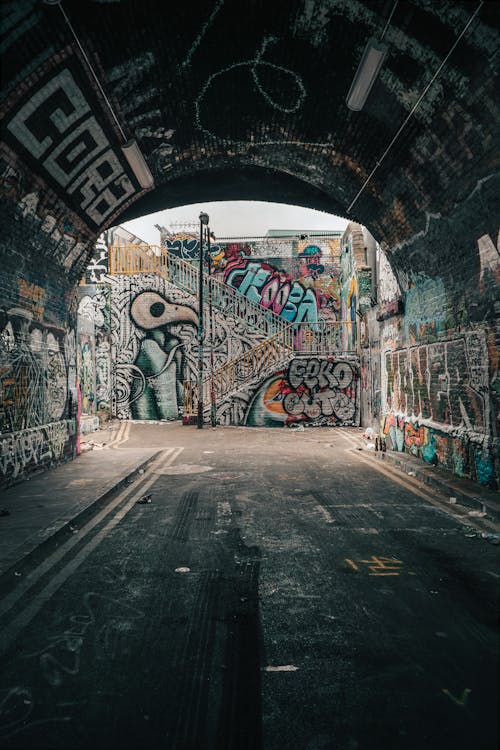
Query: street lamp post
(203, 223)
(213, 410)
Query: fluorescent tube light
(137, 164)
(367, 71)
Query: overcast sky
(236, 219)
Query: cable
(389, 20)
(89, 64)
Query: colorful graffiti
(457, 453)
(273, 289)
(446, 382)
(158, 373)
(299, 288)
(295, 278)
(425, 310)
(314, 390)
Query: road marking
(135, 491)
(122, 437)
(378, 565)
(284, 668)
(117, 437)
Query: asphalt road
(279, 592)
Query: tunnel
(230, 101)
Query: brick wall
(440, 340)
(38, 396)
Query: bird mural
(157, 385)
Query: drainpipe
(371, 260)
(203, 224)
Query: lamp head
(367, 72)
(204, 218)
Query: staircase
(137, 259)
(265, 357)
(224, 298)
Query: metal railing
(134, 259)
(254, 363)
(225, 298)
(321, 338)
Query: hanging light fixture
(369, 67)
(366, 74)
(137, 164)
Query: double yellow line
(117, 509)
(121, 436)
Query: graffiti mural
(158, 372)
(34, 448)
(303, 287)
(314, 390)
(154, 344)
(33, 371)
(94, 354)
(56, 128)
(462, 456)
(295, 278)
(445, 382)
(103, 375)
(425, 310)
(437, 404)
(37, 389)
(98, 265)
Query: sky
(236, 219)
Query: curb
(449, 487)
(47, 546)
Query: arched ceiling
(247, 100)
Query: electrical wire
(94, 74)
(389, 19)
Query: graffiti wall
(35, 448)
(94, 348)
(314, 391)
(439, 355)
(155, 345)
(297, 279)
(38, 397)
(138, 342)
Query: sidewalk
(37, 513)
